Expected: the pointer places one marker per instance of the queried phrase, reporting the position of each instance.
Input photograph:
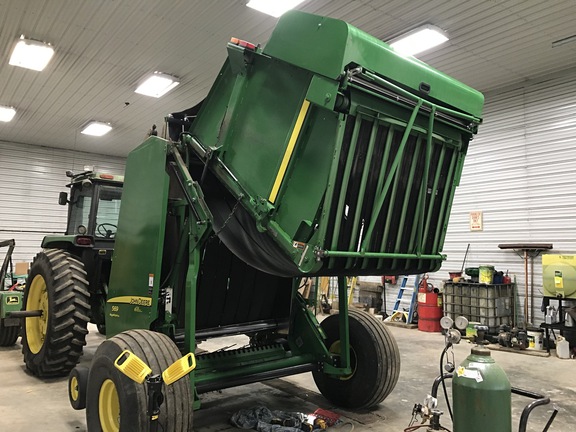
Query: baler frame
(322, 161)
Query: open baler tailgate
(338, 156)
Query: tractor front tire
(77, 386)
(374, 358)
(52, 343)
(8, 334)
(116, 403)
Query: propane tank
(481, 395)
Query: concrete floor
(28, 403)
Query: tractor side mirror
(63, 198)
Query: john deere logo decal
(12, 300)
(132, 300)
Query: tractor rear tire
(374, 358)
(116, 403)
(52, 343)
(8, 334)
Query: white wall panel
(30, 179)
(521, 173)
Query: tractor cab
(94, 206)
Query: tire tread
(8, 334)
(159, 352)
(69, 308)
(387, 357)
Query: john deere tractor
(324, 154)
(10, 300)
(68, 281)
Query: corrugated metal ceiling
(104, 47)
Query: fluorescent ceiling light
(157, 84)
(7, 113)
(31, 54)
(419, 40)
(274, 7)
(96, 128)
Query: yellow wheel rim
(109, 407)
(36, 326)
(336, 349)
(74, 388)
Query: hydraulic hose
(448, 345)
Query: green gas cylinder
(481, 395)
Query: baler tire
(77, 386)
(52, 344)
(125, 400)
(8, 334)
(375, 361)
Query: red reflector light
(242, 43)
(248, 45)
(107, 176)
(84, 241)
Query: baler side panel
(137, 260)
(258, 106)
(305, 181)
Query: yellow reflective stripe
(289, 151)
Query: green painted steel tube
(346, 179)
(400, 90)
(251, 369)
(424, 189)
(459, 166)
(388, 224)
(433, 192)
(445, 205)
(366, 172)
(343, 322)
(383, 164)
(406, 199)
(393, 168)
(332, 177)
(344, 254)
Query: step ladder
(400, 300)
